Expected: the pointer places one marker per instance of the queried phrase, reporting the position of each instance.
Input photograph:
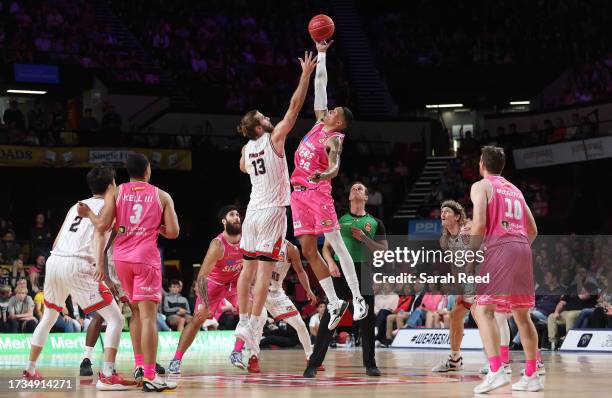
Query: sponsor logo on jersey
(367, 227)
(505, 224)
(297, 224)
(121, 230)
(138, 188)
(327, 222)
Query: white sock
(243, 318)
(31, 367)
(255, 321)
(346, 261)
(455, 355)
(328, 288)
(107, 369)
(88, 352)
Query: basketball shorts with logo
(140, 281)
(263, 232)
(217, 294)
(74, 276)
(280, 306)
(313, 212)
(511, 284)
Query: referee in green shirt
(359, 231)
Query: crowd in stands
(231, 55)
(587, 82)
(66, 32)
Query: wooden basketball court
(405, 373)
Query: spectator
(397, 318)
(41, 237)
(13, 117)
(315, 321)
(5, 277)
(9, 249)
(21, 312)
(547, 298)
(176, 307)
(417, 313)
(89, 122)
(576, 298)
(5, 296)
(111, 121)
(36, 119)
(18, 272)
(384, 305)
(36, 271)
(431, 303)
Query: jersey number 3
(136, 213)
(259, 166)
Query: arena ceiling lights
(36, 92)
(514, 103)
(439, 106)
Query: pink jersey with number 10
(505, 213)
(311, 157)
(139, 215)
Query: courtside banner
(567, 152)
(589, 340)
(30, 156)
(435, 338)
(16, 343)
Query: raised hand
(323, 45)
(308, 63)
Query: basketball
(342, 337)
(321, 27)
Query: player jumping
(317, 161)
(265, 223)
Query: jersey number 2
(75, 225)
(517, 212)
(259, 166)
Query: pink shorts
(140, 282)
(511, 284)
(313, 212)
(217, 292)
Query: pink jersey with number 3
(139, 215)
(506, 214)
(311, 157)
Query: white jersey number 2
(136, 213)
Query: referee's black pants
(366, 325)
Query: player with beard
(215, 283)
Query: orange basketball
(321, 27)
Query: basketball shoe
(336, 311)
(492, 381)
(157, 384)
(360, 308)
(236, 360)
(449, 365)
(528, 383)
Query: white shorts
(280, 306)
(74, 276)
(263, 232)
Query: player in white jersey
(279, 306)
(265, 223)
(73, 270)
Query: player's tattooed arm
(213, 254)
(334, 149)
(478, 195)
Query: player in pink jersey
(140, 212)
(504, 228)
(215, 283)
(317, 161)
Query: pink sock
(238, 345)
(139, 359)
(530, 367)
(179, 355)
(538, 357)
(149, 371)
(495, 363)
(504, 352)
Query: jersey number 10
(513, 209)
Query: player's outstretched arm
(296, 262)
(334, 149)
(297, 101)
(320, 83)
(213, 254)
(170, 229)
(478, 194)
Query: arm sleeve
(320, 84)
